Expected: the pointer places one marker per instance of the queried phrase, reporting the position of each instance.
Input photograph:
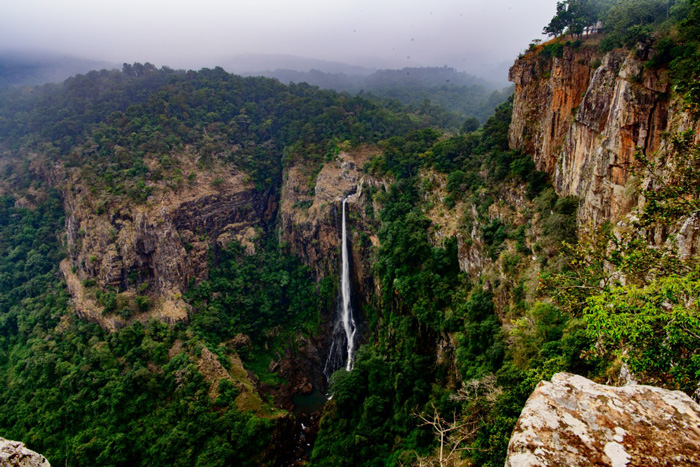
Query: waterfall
(344, 328)
(348, 321)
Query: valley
(204, 269)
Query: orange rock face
(583, 117)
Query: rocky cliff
(584, 114)
(573, 421)
(310, 215)
(147, 253)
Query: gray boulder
(16, 454)
(572, 421)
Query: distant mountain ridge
(31, 68)
(411, 76)
(258, 64)
(459, 93)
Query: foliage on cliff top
(123, 129)
(625, 21)
(669, 27)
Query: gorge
(191, 261)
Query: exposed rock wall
(583, 116)
(310, 215)
(575, 422)
(158, 247)
(16, 454)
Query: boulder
(573, 421)
(16, 454)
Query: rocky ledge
(16, 454)
(573, 421)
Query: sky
(470, 35)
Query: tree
(469, 125)
(576, 17)
(633, 21)
(558, 24)
(452, 436)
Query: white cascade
(342, 346)
(346, 316)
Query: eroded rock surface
(584, 115)
(157, 248)
(16, 454)
(573, 421)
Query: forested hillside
(196, 218)
(444, 95)
(82, 395)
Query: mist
(477, 37)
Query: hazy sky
(466, 34)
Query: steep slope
(153, 251)
(584, 114)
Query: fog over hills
(240, 36)
(28, 68)
(260, 64)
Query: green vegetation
(638, 301)
(444, 346)
(83, 396)
(252, 293)
(625, 22)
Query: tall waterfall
(344, 327)
(348, 320)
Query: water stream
(344, 328)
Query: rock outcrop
(575, 422)
(584, 115)
(16, 454)
(155, 249)
(310, 214)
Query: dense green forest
(445, 349)
(83, 396)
